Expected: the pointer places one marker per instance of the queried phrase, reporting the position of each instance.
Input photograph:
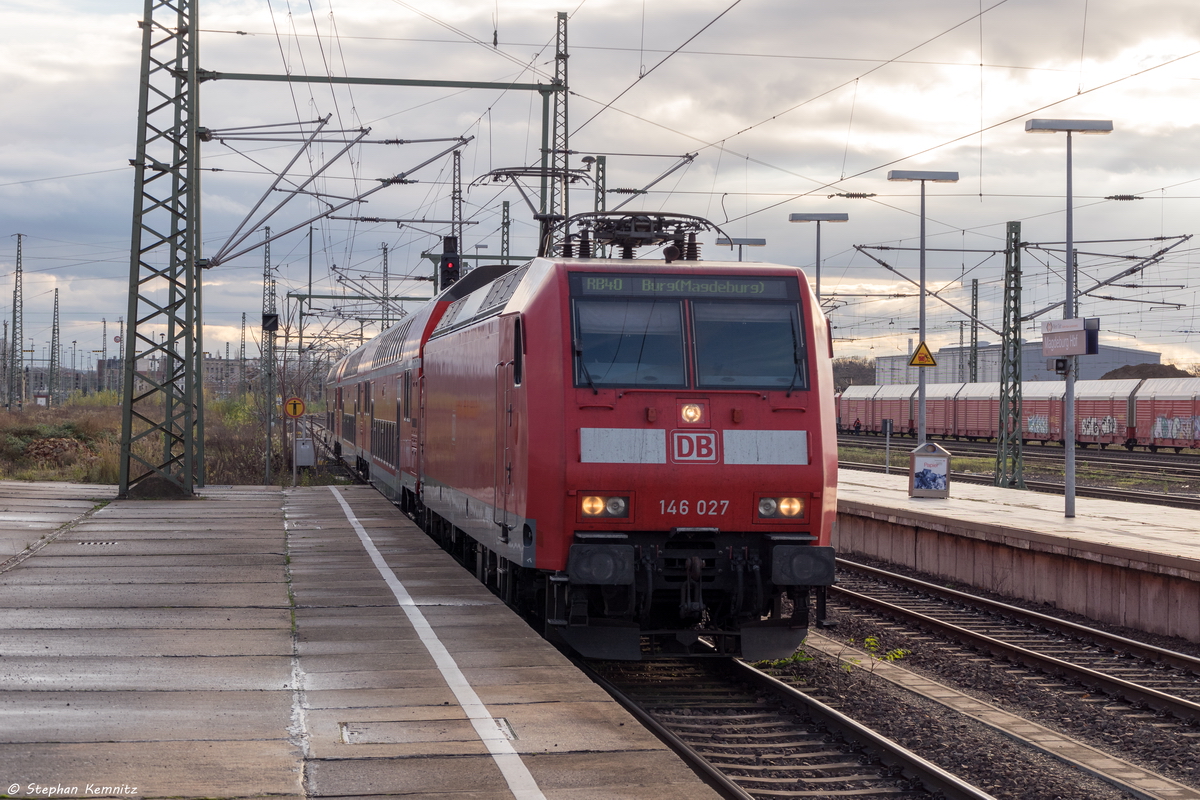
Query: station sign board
(1071, 337)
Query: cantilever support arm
(860, 248)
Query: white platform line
(520, 781)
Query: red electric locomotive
(640, 452)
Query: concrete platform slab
(133, 673)
(132, 642)
(171, 658)
(91, 619)
(153, 595)
(227, 769)
(145, 716)
(91, 575)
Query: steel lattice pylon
(16, 373)
(162, 423)
(1009, 462)
(560, 146)
(54, 387)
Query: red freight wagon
(977, 411)
(939, 408)
(1041, 411)
(897, 402)
(1166, 412)
(855, 405)
(1104, 411)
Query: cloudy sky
(786, 105)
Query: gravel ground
(958, 744)
(988, 759)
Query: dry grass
(80, 441)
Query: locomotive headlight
(780, 507)
(604, 506)
(593, 506)
(791, 506)
(691, 412)
(616, 506)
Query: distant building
(953, 365)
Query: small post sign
(293, 407)
(929, 471)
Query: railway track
(1128, 699)
(1142, 675)
(756, 737)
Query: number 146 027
(713, 508)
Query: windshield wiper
(795, 358)
(583, 366)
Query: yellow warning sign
(293, 407)
(922, 357)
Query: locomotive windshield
(747, 345)
(629, 343)
(674, 332)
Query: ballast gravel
(975, 752)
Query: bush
(80, 441)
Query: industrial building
(953, 364)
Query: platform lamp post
(818, 218)
(723, 242)
(1069, 126)
(923, 176)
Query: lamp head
(922, 175)
(818, 217)
(1093, 126)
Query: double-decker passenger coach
(641, 453)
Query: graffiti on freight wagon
(1097, 426)
(1037, 423)
(1173, 427)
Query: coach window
(748, 345)
(406, 395)
(518, 353)
(629, 343)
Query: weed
(798, 657)
(875, 651)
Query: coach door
(508, 377)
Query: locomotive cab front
(701, 488)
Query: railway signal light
(449, 267)
(448, 270)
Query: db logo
(694, 446)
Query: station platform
(1124, 563)
(301, 643)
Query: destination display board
(725, 287)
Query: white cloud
(773, 82)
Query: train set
(639, 453)
(1154, 413)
